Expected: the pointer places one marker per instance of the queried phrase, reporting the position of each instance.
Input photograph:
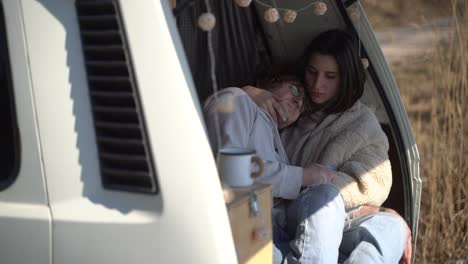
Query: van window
(9, 142)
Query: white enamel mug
(235, 166)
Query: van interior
(245, 44)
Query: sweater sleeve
(366, 177)
(286, 180)
(236, 117)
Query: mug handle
(260, 164)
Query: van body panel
(25, 220)
(95, 225)
(25, 233)
(29, 187)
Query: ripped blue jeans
(314, 229)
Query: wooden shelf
(252, 232)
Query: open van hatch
(243, 41)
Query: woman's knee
(388, 232)
(393, 221)
(322, 192)
(399, 224)
(388, 227)
(320, 196)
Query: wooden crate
(252, 233)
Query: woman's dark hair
(344, 48)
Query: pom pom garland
(207, 21)
(365, 63)
(271, 15)
(243, 3)
(353, 12)
(320, 8)
(289, 16)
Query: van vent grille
(124, 152)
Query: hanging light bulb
(354, 12)
(365, 63)
(320, 8)
(243, 3)
(206, 21)
(271, 15)
(289, 16)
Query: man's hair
(344, 48)
(273, 81)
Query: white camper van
(104, 155)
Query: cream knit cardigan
(354, 143)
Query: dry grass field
(434, 88)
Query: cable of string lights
(207, 22)
(272, 14)
(285, 9)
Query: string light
(289, 16)
(365, 63)
(271, 14)
(355, 14)
(207, 21)
(243, 3)
(320, 8)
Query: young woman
(338, 131)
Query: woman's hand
(317, 174)
(407, 253)
(367, 209)
(264, 99)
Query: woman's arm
(317, 174)
(264, 99)
(366, 177)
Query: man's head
(288, 91)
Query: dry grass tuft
(434, 90)
(393, 13)
(438, 116)
(444, 216)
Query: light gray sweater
(354, 143)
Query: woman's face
(322, 78)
